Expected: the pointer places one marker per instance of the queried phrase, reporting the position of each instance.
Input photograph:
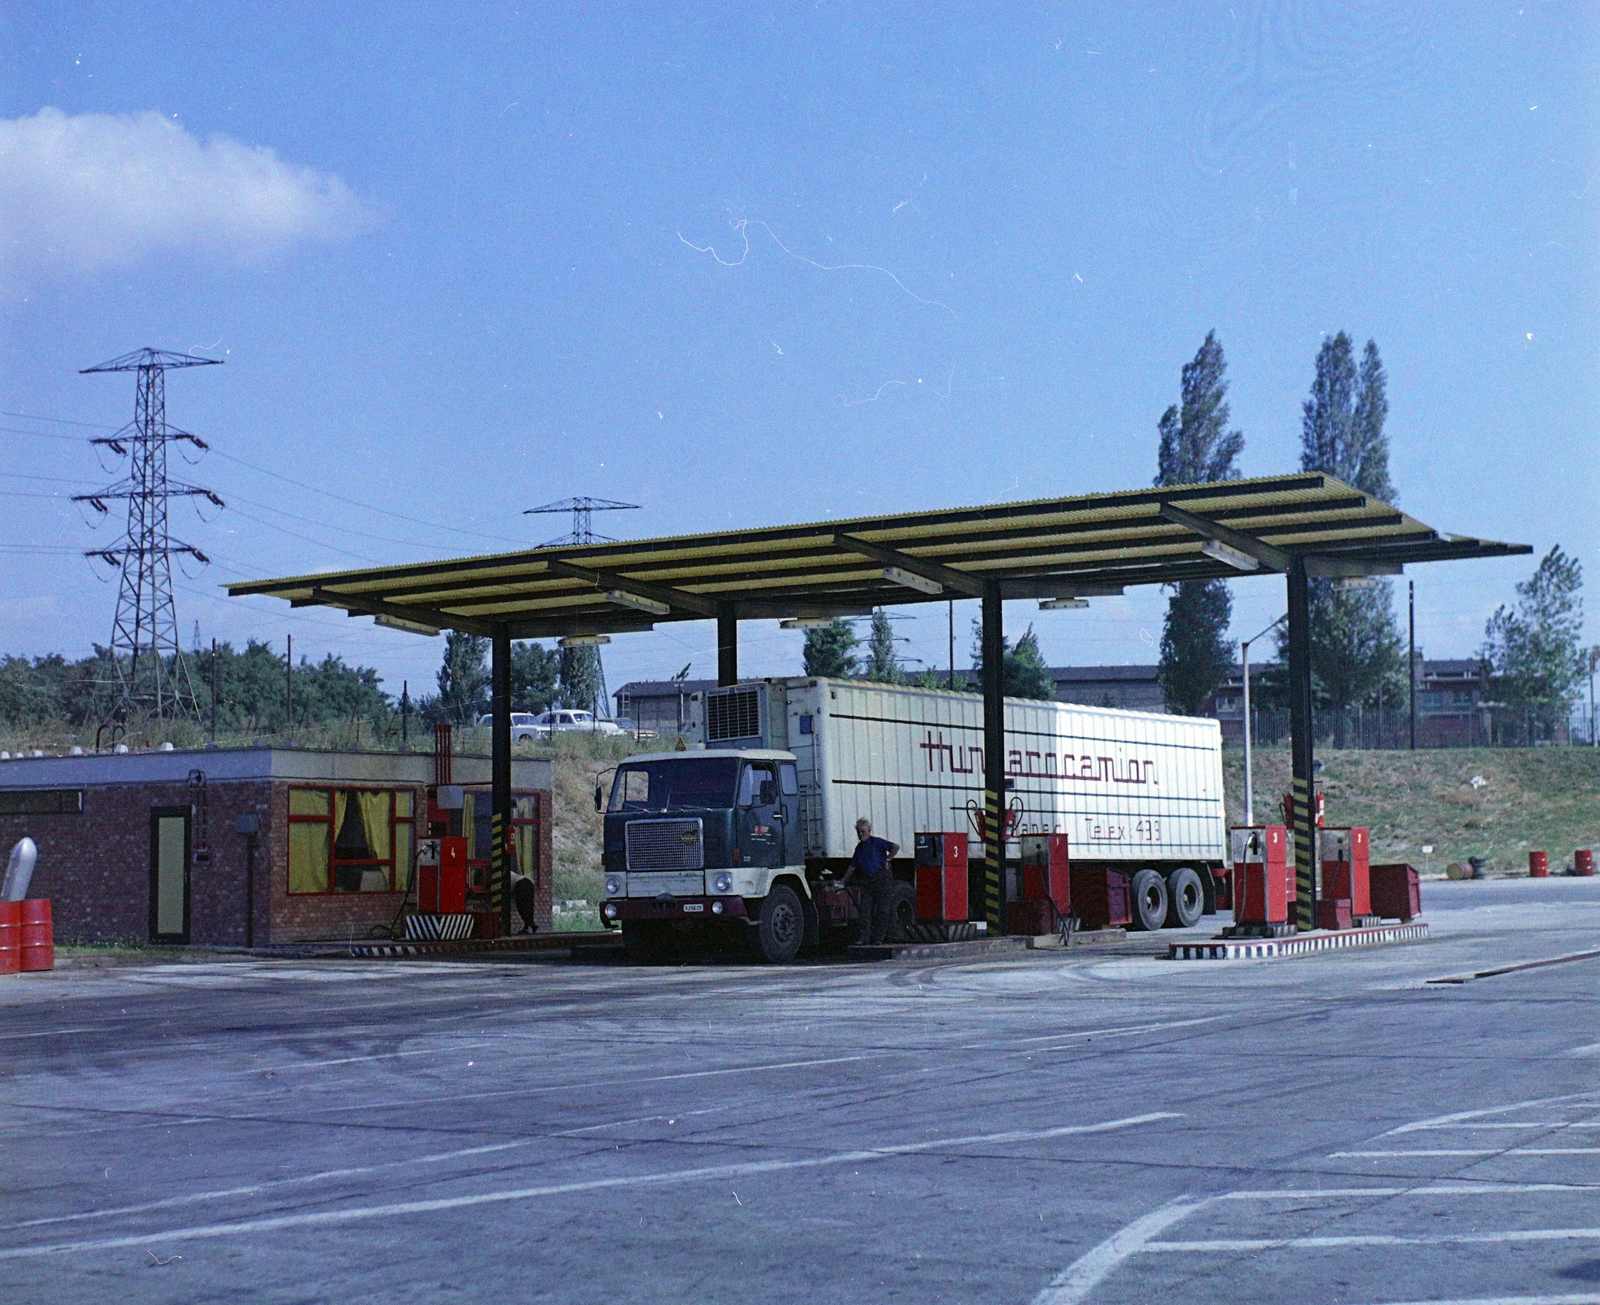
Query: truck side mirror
(599, 799)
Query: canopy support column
(727, 644)
(1301, 745)
(992, 642)
(500, 775)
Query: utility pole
(582, 532)
(950, 610)
(213, 690)
(1411, 658)
(152, 674)
(405, 714)
(288, 685)
(1244, 666)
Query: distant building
(659, 706)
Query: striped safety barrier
(1260, 949)
(438, 928)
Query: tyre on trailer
(777, 936)
(1148, 900)
(1186, 898)
(902, 911)
(644, 941)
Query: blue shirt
(872, 856)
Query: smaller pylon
(582, 526)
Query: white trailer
(1130, 788)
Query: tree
(535, 670)
(882, 664)
(1533, 650)
(830, 651)
(1196, 447)
(1023, 672)
(579, 678)
(463, 678)
(1356, 654)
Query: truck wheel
(902, 911)
(1148, 894)
(1186, 898)
(782, 927)
(644, 941)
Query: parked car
(524, 725)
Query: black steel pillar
(994, 759)
(1301, 725)
(1411, 659)
(727, 644)
(500, 775)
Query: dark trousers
(875, 913)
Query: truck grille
(733, 715)
(665, 845)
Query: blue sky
(749, 266)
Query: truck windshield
(674, 785)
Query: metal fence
(1390, 728)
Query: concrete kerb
(1305, 944)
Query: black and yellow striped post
(1301, 726)
(992, 643)
(500, 775)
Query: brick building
(148, 846)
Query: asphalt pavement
(1055, 1127)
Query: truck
(746, 830)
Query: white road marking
(1439, 1121)
(1074, 1283)
(1231, 1244)
(706, 1174)
(1593, 1049)
(49, 1033)
(1424, 1189)
(1508, 1151)
(1587, 1298)
(1102, 1033)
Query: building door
(169, 874)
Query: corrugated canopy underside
(1058, 547)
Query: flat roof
(1081, 546)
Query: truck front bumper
(674, 908)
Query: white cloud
(94, 190)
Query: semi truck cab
(708, 838)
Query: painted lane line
(1507, 1151)
(1074, 1283)
(1586, 1298)
(1521, 965)
(1234, 1244)
(1418, 1189)
(705, 1174)
(1102, 1033)
(1438, 1121)
(50, 1033)
(329, 1175)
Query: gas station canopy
(1078, 547)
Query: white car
(524, 725)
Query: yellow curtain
(375, 814)
(308, 802)
(469, 827)
(308, 857)
(402, 855)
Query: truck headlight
(613, 886)
(722, 883)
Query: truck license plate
(694, 906)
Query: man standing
(871, 859)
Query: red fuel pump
(941, 878)
(1263, 881)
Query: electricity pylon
(152, 675)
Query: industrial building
(251, 846)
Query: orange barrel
(1538, 865)
(10, 937)
(1583, 862)
(38, 935)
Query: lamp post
(1244, 663)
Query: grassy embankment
(1545, 799)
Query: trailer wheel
(644, 941)
(1186, 898)
(782, 927)
(1148, 894)
(902, 911)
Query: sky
(749, 266)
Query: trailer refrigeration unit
(752, 827)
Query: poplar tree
(1356, 654)
(882, 664)
(463, 677)
(830, 650)
(1533, 649)
(1196, 447)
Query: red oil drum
(10, 937)
(38, 935)
(1538, 865)
(1583, 862)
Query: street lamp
(1244, 663)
